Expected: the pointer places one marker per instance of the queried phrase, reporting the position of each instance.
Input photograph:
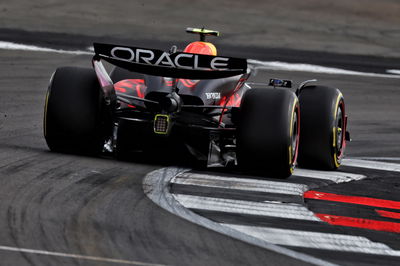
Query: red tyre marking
(360, 223)
(352, 199)
(387, 214)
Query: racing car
(157, 101)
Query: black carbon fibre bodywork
(198, 103)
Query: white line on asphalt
(276, 65)
(24, 47)
(335, 176)
(245, 184)
(305, 239)
(393, 71)
(256, 64)
(75, 256)
(372, 165)
(378, 158)
(275, 209)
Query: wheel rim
(340, 129)
(294, 138)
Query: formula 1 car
(196, 100)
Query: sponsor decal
(213, 95)
(176, 60)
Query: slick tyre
(75, 119)
(323, 127)
(268, 132)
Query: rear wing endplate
(175, 65)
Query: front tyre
(323, 127)
(268, 132)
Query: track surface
(96, 206)
(275, 212)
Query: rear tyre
(268, 132)
(75, 117)
(323, 127)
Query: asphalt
(83, 205)
(363, 27)
(96, 206)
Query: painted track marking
(394, 159)
(281, 210)
(33, 48)
(387, 214)
(284, 66)
(204, 180)
(317, 195)
(255, 64)
(156, 187)
(394, 167)
(337, 177)
(273, 210)
(75, 256)
(360, 223)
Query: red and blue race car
(195, 100)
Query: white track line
(394, 167)
(393, 71)
(255, 64)
(337, 177)
(335, 242)
(75, 256)
(276, 209)
(245, 184)
(378, 158)
(276, 65)
(33, 48)
(257, 185)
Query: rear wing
(175, 65)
